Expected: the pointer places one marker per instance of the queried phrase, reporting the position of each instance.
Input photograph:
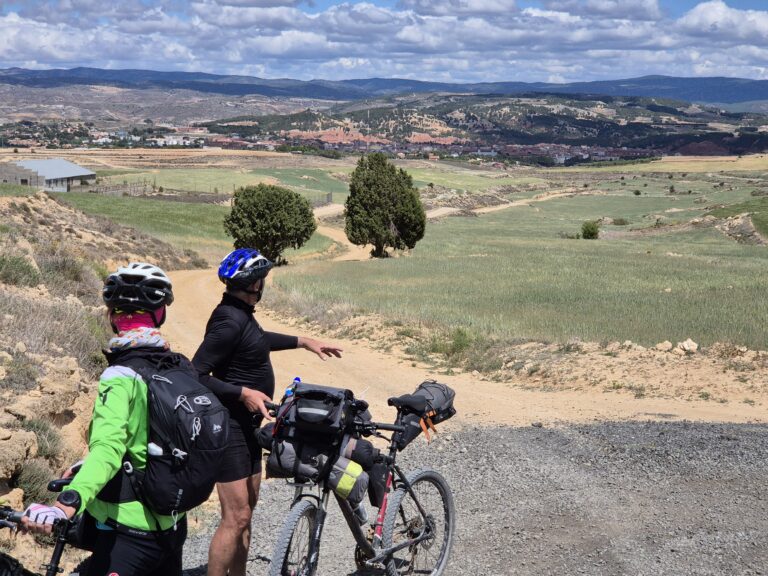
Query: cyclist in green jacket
(131, 540)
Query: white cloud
(718, 22)
(619, 9)
(458, 7)
(450, 40)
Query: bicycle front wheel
(404, 522)
(291, 555)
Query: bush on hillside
(590, 230)
(16, 270)
(21, 374)
(33, 480)
(271, 219)
(48, 438)
(383, 207)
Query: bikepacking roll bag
(439, 408)
(348, 480)
(188, 435)
(360, 451)
(292, 458)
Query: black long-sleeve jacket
(235, 353)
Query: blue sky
(442, 40)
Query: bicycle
(11, 519)
(413, 530)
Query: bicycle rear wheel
(291, 555)
(403, 522)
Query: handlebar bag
(318, 409)
(439, 408)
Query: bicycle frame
(371, 549)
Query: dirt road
(375, 375)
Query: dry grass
(48, 438)
(51, 326)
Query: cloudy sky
(446, 40)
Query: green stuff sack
(348, 480)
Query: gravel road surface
(655, 498)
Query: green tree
(271, 219)
(590, 230)
(383, 208)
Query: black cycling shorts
(126, 555)
(242, 458)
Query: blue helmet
(243, 267)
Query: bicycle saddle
(409, 403)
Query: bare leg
(228, 552)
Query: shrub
(64, 273)
(21, 374)
(383, 208)
(18, 271)
(590, 230)
(636, 192)
(620, 221)
(48, 438)
(270, 218)
(33, 480)
(64, 324)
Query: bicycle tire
(301, 522)
(9, 566)
(403, 520)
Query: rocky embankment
(52, 327)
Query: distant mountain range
(704, 90)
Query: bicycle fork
(317, 532)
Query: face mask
(125, 321)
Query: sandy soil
(375, 376)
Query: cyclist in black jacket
(233, 361)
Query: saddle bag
(439, 408)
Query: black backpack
(187, 424)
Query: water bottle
(361, 513)
(289, 390)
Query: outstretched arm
(322, 349)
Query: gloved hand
(40, 518)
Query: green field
(16, 190)
(509, 275)
(312, 183)
(186, 225)
(514, 274)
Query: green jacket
(119, 427)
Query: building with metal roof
(59, 174)
(54, 174)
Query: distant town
(28, 135)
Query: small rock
(475, 373)
(667, 290)
(665, 346)
(5, 434)
(678, 352)
(537, 424)
(689, 346)
(627, 344)
(20, 348)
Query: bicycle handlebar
(9, 517)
